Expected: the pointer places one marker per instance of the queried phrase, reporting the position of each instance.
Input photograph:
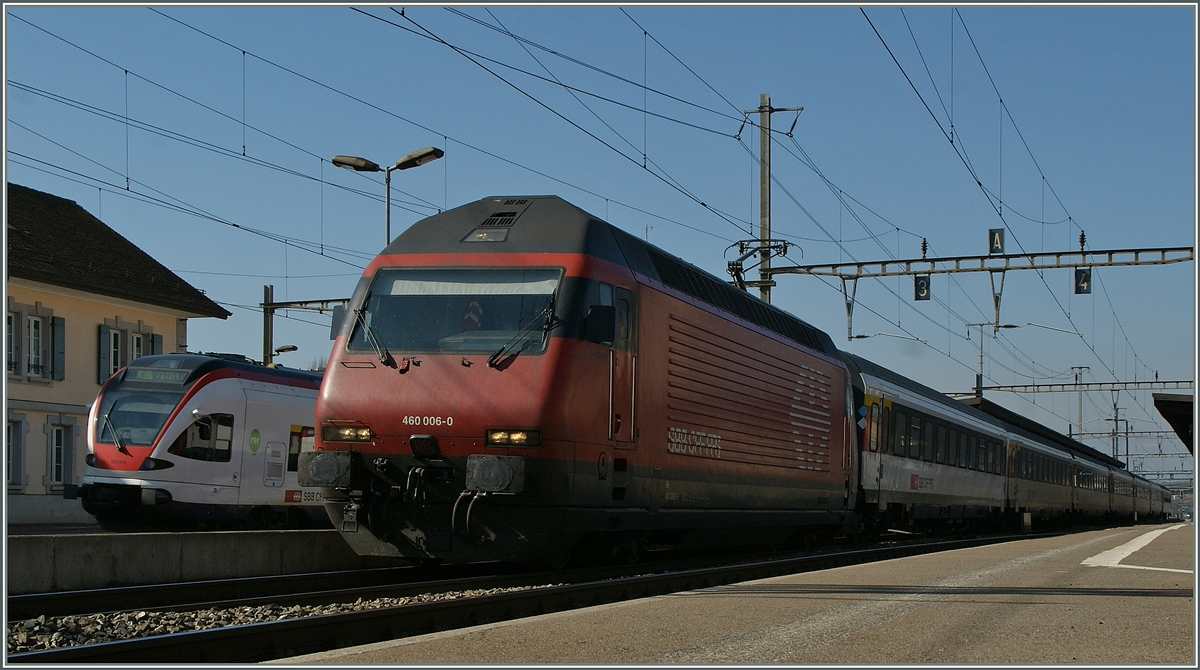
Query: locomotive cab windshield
(464, 310)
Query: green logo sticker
(255, 441)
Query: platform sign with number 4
(1083, 281)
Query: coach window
(927, 439)
(886, 435)
(972, 449)
(952, 448)
(940, 455)
(209, 438)
(873, 441)
(914, 437)
(900, 431)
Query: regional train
(516, 379)
(204, 441)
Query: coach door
(623, 372)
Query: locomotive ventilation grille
(719, 294)
(500, 220)
(424, 446)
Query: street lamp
(412, 160)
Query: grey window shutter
(58, 347)
(102, 357)
(156, 344)
(69, 455)
(18, 454)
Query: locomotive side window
(626, 316)
(209, 438)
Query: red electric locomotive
(516, 379)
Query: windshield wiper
(385, 356)
(549, 323)
(113, 429)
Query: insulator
(924, 247)
(1082, 240)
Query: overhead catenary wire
(993, 200)
(666, 179)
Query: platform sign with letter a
(1083, 281)
(921, 287)
(995, 241)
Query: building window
(120, 343)
(114, 352)
(33, 346)
(58, 447)
(12, 352)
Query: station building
(82, 302)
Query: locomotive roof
(549, 224)
(198, 364)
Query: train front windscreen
(459, 310)
(136, 403)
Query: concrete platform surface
(1062, 600)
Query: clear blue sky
(170, 124)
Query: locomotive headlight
(332, 433)
(514, 438)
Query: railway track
(471, 601)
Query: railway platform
(67, 559)
(1115, 596)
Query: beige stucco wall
(37, 403)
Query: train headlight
(514, 438)
(495, 474)
(332, 433)
(155, 464)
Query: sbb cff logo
(292, 496)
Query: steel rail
(291, 637)
(289, 589)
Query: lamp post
(412, 160)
